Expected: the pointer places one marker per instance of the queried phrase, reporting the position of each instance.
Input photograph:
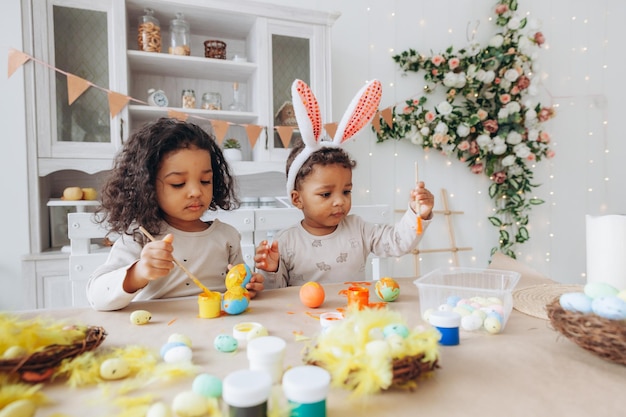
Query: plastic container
(180, 36)
(246, 393)
(266, 354)
(306, 388)
(149, 32)
(438, 288)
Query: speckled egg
(471, 322)
(599, 289)
(236, 300)
(492, 324)
(140, 317)
(575, 301)
(207, 385)
(609, 307)
(225, 343)
(312, 294)
(238, 276)
(190, 404)
(399, 329)
(387, 289)
(114, 368)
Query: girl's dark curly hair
(327, 155)
(129, 193)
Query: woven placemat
(532, 300)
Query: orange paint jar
(358, 297)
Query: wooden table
(527, 370)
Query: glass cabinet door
(81, 40)
(297, 52)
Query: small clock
(157, 98)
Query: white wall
(581, 63)
(14, 206)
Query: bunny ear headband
(358, 114)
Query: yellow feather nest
(360, 358)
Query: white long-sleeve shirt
(206, 254)
(341, 255)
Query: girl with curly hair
(166, 177)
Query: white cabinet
(74, 145)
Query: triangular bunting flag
(220, 127)
(75, 87)
(117, 102)
(388, 116)
(177, 115)
(331, 129)
(16, 60)
(285, 132)
(253, 132)
(376, 122)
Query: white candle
(606, 250)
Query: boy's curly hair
(327, 155)
(129, 193)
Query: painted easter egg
(225, 343)
(114, 368)
(576, 301)
(239, 275)
(387, 289)
(190, 404)
(140, 317)
(207, 385)
(178, 354)
(599, 289)
(312, 294)
(236, 300)
(609, 307)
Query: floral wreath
(489, 119)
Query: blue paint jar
(447, 323)
(306, 388)
(246, 393)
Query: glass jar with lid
(180, 36)
(188, 99)
(149, 32)
(212, 101)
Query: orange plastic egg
(387, 289)
(312, 294)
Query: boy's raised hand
(426, 201)
(267, 256)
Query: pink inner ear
(312, 108)
(364, 110)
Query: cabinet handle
(262, 219)
(246, 220)
(78, 267)
(76, 225)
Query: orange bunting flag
(388, 116)
(117, 102)
(331, 129)
(75, 87)
(376, 122)
(177, 115)
(16, 60)
(253, 132)
(285, 132)
(220, 127)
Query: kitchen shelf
(141, 113)
(189, 66)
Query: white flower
(471, 71)
(513, 107)
(533, 135)
(444, 108)
(525, 45)
(462, 130)
(452, 79)
(508, 160)
(498, 149)
(530, 114)
(514, 23)
(503, 113)
(515, 170)
(513, 138)
(414, 136)
(425, 131)
(511, 75)
(441, 128)
(521, 150)
(496, 41)
(483, 140)
(489, 77)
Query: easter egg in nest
(238, 275)
(387, 289)
(312, 294)
(236, 300)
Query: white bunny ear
(360, 112)
(307, 112)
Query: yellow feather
(11, 389)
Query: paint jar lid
(246, 388)
(446, 319)
(266, 348)
(306, 384)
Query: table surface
(527, 370)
